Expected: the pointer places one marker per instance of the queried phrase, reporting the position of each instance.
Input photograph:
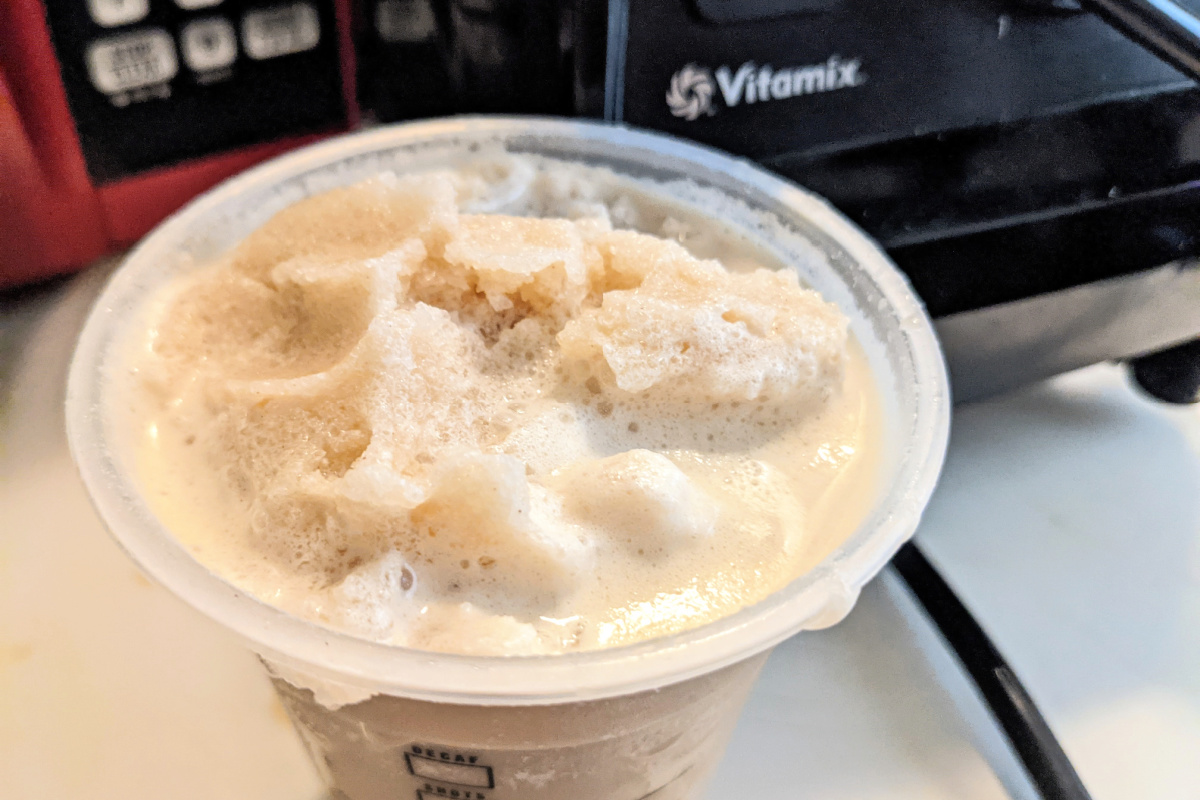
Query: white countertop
(1068, 518)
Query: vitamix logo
(693, 90)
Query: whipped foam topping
(486, 412)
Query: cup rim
(342, 659)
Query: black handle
(1026, 729)
(1165, 28)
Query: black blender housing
(1000, 150)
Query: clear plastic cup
(627, 723)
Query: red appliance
(114, 113)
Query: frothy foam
(527, 428)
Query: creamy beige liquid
(474, 412)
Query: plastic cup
(627, 723)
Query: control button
(208, 44)
(408, 21)
(280, 31)
(195, 5)
(111, 13)
(132, 60)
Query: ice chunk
(549, 440)
(630, 256)
(479, 526)
(300, 527)
(367, 600)
(638, 498)
(539, 261)
(466, 629)
(356, 222)
(373, 482)
(693, 331)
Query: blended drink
(521, 407)
(531, 429)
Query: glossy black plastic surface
(195, 112)
(422, 58)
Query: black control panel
(152, 82)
